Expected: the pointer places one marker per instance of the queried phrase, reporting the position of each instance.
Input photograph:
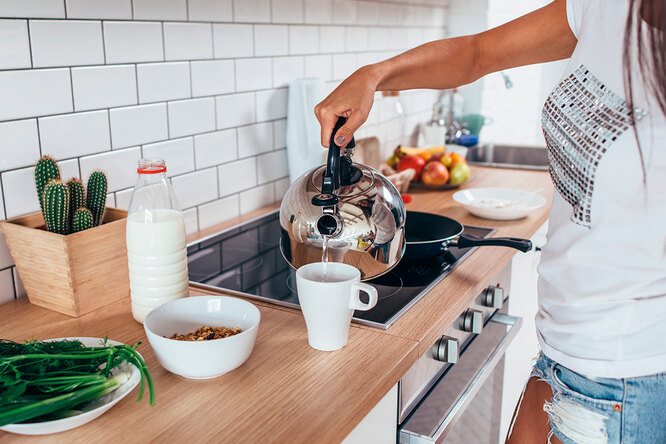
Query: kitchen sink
(508, 156)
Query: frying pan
(430, 235)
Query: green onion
(62, 402)
(45, 380)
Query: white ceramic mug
(329, 293)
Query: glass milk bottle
(156, 245)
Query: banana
(416, 151)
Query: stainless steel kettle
(350, 208)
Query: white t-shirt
(602, 276)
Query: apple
(460, 173)
(414, 162)
(446, 159)
(435, 173)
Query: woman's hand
(540, 36)
(352, 99)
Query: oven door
(464, 405)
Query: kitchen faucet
(454, 128)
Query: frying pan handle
(469, 240)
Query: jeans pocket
(599, 395)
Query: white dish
(499, 203)
(92, 409)
(202, 359)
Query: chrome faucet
(454, 128)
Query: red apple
(414, 162)
(435, 173)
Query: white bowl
(202, 359)
(499, 203)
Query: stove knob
(472, 321)
(446, 350)
(494, 297)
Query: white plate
(499, 203)
(92, 409)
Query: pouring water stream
(324, 257)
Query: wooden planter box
(73, 274)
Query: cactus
(61, 202)
(96, 197)
(77, 196)
(82, 220)
(46, 170)
(56, 206)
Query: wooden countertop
(286, 391)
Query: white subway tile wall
(158, 82)
(200, 83)
(99, 9)
(96, 87)
(15, 49)
(66, 43)
(33, 8)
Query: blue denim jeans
(587, 410)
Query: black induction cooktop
(246, 260)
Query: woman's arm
(540, 36)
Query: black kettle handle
(330, 181)
(469, 240)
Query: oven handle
(463, 400)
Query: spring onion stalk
(62, 402)
(41, 380)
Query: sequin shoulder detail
(581, 119)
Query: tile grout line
(163, 43)
(14, 286)
(27, 25)
(101, 24)
(71, 88)
(4, 201)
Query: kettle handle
(331, 179)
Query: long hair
(645, 37)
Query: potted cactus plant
(71, 255)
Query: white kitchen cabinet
(380, 425)
(523, 303)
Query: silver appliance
(453, 393)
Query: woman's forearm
(441, 64)
(540, 36)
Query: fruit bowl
(435, 168)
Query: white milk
(157, 259)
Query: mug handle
(355, 300)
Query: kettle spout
(330, 224)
